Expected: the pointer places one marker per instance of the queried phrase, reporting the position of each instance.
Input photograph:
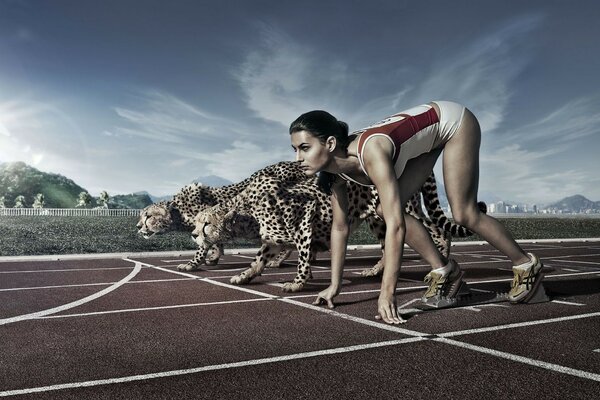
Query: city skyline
(147, 96)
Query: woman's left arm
(379, 166)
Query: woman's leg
(414, 175)
(446, 276)
(461, 179)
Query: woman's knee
(466, 216)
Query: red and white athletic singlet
(412, 132)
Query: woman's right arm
(339, 238)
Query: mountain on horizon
(576, 203)
(155, 199)
(212, 180)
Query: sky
(129, 96)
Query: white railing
(70, 212)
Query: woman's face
(313, 155)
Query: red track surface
(128, 329)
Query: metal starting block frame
(466, 298)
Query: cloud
(38, 132)
(576, 119)
(163, 117)
(482, 75)
(190, 141)
(238, 160)
(282, 78)
(543, 160)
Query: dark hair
(322, 125)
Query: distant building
(500, 207)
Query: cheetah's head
(213, 225)
(156, 219)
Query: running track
(132, 327)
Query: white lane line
(380, 325)
(571, 270)
(524, 360)
(569, 303)
(186, 260)
(519, 325)
(90, 284)
(409, 303)
(596, 351)
(577, 255)
(248, 363)
(481, 290)
(573, 274)
(576, 262)
(63, 270)
(212, 281)
(87, 299)
(214, 303)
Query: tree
(85, 199)
(39, 201)
(20, 201)
(2, 205)
(103, 199)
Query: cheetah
(297, 215)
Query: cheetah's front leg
(214, 254)
(283, 255)
(303, 239)
(265, 254)
(194, 263)
(375, 270)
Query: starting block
(466, 298)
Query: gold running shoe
(444, 281)
(527, 278)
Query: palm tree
(103, 199)
(39, 201)
(19, 201)
(84, 200)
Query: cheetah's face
(209, 226)
(155, 219)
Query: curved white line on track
(136, 269)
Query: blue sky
(129, 95)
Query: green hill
(18, 178)
(135, 200)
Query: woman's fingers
(389, 315)
(324, 300)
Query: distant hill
(212, 180)
(135, 200)
(18, 178)
(575, 203)
(155, 199)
